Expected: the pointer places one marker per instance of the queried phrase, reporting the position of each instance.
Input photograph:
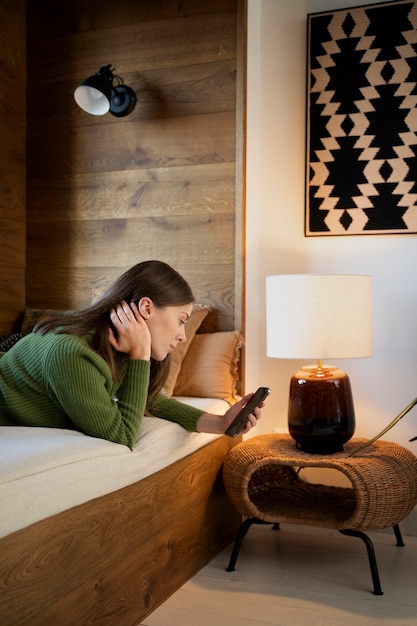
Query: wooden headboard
(103, 192)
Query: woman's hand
(218, 424)
(132, 334)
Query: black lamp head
(97, 95)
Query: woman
(101, 369)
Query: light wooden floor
(299, 576)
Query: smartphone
(242, 417)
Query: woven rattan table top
(261, 478)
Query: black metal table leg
(371, 556)
(244, 527)
(398, 536)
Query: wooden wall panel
(12, 161)
(162, 191)
(107, 192)
(85, 17)
(175, 42)
(177, 141)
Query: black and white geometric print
(361, 155)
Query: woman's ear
(145, 307)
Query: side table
(261, 477)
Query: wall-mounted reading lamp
(97, 95)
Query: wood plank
(44, 18)
(167, 192)
(12, 197)
(12, 242)
(12, 162)
(120, 239)
(12, 295)
(195, 139)
(13, 46)
(126, 592)
(240, 184)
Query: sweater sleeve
(81, 382)
(174, 411)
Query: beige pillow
(199, 313)
(210, 367)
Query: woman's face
(167, 326)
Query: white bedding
(44, 471)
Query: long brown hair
(156, 280)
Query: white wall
(275, 243)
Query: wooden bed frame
(115, 559)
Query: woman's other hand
(131, 334)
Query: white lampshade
(92, 100)
(318, 316)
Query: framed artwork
(361, 145)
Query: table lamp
(319, 316)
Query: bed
(91, 532)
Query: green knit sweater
(58, 381)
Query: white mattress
(44, 471)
